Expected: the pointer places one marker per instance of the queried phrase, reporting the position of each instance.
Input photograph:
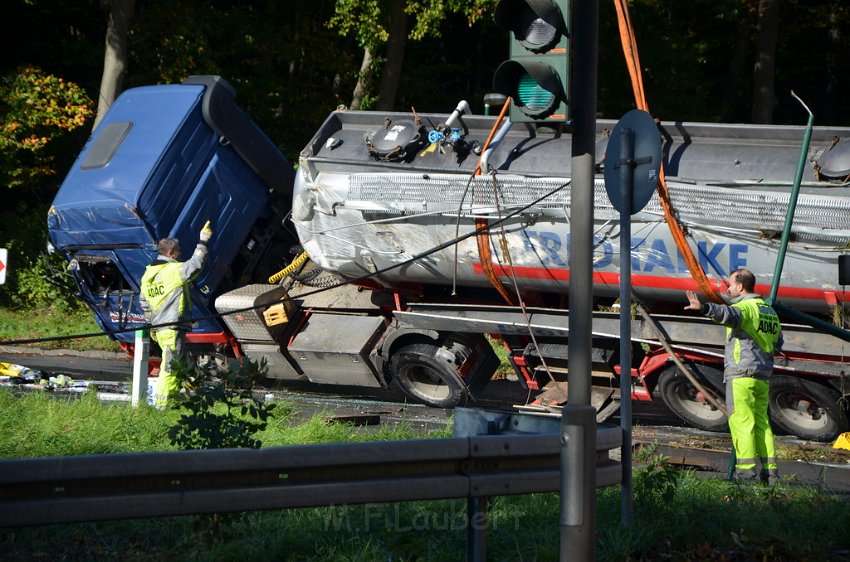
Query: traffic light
(537, 75)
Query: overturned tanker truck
(386, 259)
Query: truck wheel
(684, 400)
(426, 373)
(806, 409)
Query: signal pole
(578, 423)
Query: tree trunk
(764, 70)
(364, 80)
(115, 54)
(391, 71)
(267, 55)
(737, 80)
(834, 62)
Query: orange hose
(483, 238)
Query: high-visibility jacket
(753, 336)
(165, 288)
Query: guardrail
(481, 461)
(105, 487)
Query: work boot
(745, 476)
(769, 476)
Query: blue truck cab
(163, 161)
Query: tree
(391, 73)
(41, 121)
(376, 24)
(40, 115)
(764, 67)
(363, 19)
(115, 54)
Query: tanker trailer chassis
(442, 355)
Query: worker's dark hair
(746, 278)
(168, 245)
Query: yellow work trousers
(171, 344)
(746, 402)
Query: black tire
(428, 375)
(684, 400)
(806, 409)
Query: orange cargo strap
(483, 237)
(627, 38)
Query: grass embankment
(677, 516)
(48, 323)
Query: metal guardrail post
(141, 357)
(476, 528)
(579, 464)
(578, 496)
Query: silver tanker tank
(375, 190)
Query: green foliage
(656, 483)
(38, 114)
(219, 412)
(430, 14)
(288, 69)
(173, 40)
(42, 123)
(34, 279)
(33, 284)
(367, 22)
(365, 18)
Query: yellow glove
(206, 232)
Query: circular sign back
(645, 162)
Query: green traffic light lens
(532, 97)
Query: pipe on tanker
(497, 138)
(809, 320)
(792, 204)
(457, 116)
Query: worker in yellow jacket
(166, 301)
(753, 337)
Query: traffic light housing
(536, 77)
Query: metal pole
(578, 422)
(141, 355)
(476, 528)
(627, 162)
(802, 318)
(792, 205)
